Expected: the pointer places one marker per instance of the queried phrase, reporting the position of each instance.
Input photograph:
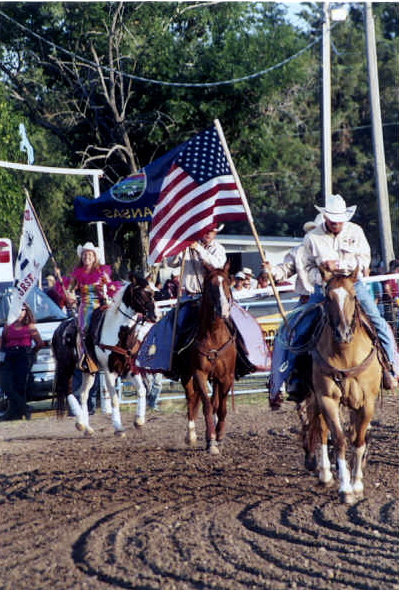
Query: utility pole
(378, 141)
(326, 104)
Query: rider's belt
(15, 348)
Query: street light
(334, 14)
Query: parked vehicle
(47, 316)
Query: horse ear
(226, 267)
(326, 274)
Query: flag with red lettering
(32, 256)
(197, 191)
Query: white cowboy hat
(239, 275)
(88, 246)
(247, 271)
(336, 209)
(309, 225)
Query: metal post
(326, 104)
(378, 141)
(99, 224)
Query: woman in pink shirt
(16, 344)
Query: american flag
(198, 190)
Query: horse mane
(117, 300)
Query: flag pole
(56, 269)
(249, 214)
(179, 292)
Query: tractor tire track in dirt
(148, 513)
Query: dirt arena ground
(148, 513)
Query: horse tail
(63, 345)
(309, 415)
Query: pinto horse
(211, 358)
(346, 371)
(132, 310)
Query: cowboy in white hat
(340, 244)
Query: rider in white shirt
(341, 245)
(209, 251)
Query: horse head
(139, 297)
(341, 303)
(217, 293)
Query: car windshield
(44, 309)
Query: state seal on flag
(130, 189)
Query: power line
(163, 82)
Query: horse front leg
(192, 400)
(110, 381)
(361, 420)
(80, 410)
(201, 386)
(138, 382)
(330, 409)
(221, 411)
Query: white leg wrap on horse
(116, 419)
(357, 472)
(141, 404)
(344, 476)
(75, 406)
(325, 474)
(85, 414)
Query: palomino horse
(133, 307)
(346, 372)
(210, 358)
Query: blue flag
(131, 200)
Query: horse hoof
(347, 497)
(89, 432)
(310, 462)
(139, 422)
(80, 427)
(213, 448)
(120, 433)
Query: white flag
(32, 256)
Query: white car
(47, 317)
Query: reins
(213, 353)
(340, 374)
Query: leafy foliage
(72, 71)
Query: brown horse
(346, 372)
(211, 358)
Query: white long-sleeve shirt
(349, 248)
(293, 264)
(193, 271)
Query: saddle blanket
(155, 352)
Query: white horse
(132, 309)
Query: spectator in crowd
(262, 280)
(250, 281)
(171, 286)
(154, 389)
(16, 345)
(238, 284)
(391, 297)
